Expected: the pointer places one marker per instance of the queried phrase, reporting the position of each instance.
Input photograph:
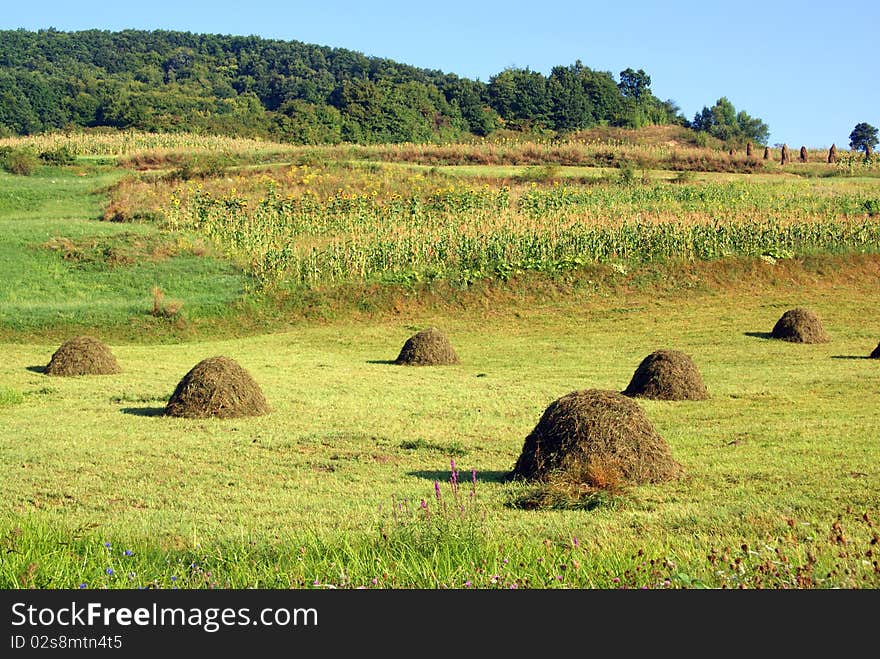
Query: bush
(60, 156)
(18, 161)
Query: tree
(634, 84)
(724, 122)
(863, 138)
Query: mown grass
(63, 269)
(326, 489)
(346, 483)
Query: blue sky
(809, 70)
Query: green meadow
(370, 474)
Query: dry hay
(430, 347)
(597, 438)
(766, 153)
(667, 375)
(217, 387)
(876, 353)
(800, 325)
(82, 355)
(785, 156)
(832, 154)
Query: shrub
(18, 161)
(59, 156)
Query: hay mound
(876, 353)
(667, 375)
(800, 326)
(217, 387)
(82, 355)
(430, 347)
(597, 438)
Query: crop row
(466, 234)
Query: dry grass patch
(82, 355)
(429, 347)
(217, 387)
(800, 325)
(667, 375)
(595, 438)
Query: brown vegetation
(429, 347)
(832, 154)
(597, 438)
(217, 387)
(667, 375)
(800, 325)
(82, 355)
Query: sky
(807, 69)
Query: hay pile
(832, 154)
(667, 375)
(876, 353)
(430, 347)
(82, 355)
(217, 387)
(800, 325)
(597, 438)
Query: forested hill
(292, 91)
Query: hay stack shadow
(82, 355)
(429, 347)
(876, 353)
(217, 387)
(597, 438)
(800, 325)
(667, 375)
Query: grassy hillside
(370, 474)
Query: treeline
(167, 81)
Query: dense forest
(307, 94)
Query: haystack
(82, 355)
(667, 375)
(832, 154)
(430, 347)
(596, 438)
(876, 353)
(800, 325)
(217, 387)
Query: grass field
(348, 481)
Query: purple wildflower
(109, 570)
(574, 541)
(128, 552)
(474, 477)
(437, 489)
(83, 585)
(423, 505)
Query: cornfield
(463, 234)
